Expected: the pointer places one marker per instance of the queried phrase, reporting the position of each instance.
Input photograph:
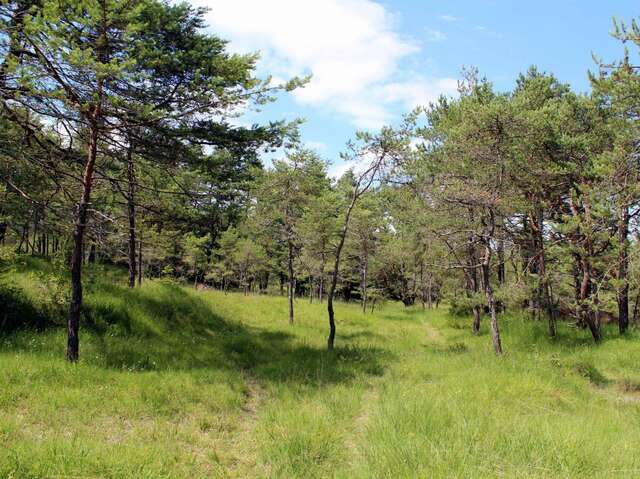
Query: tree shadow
(167, 328)
(18, 312)
(365, 334)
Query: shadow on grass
(18, 312)
(360, 335)
(164, 327)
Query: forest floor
(178, 383)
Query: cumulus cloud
(351, 47)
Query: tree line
(119, 146)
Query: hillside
(178, 383)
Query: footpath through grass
(178, 383)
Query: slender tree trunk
(19, 248)
(291, 287)
(488, 290)
(501, 264)
(35, 233)
(335, 273)
(635, 307)
(422, 292)
(365, 267)
(131, 213)
(544, 287)
(587, 315)
(140, 261)
(75, 308)
(92, 254)
(321, 285)
(622, 295)
(472, 278)
(310, 289)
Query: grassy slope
(174, 383)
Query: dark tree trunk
(588, 316)
(321, 284)
(35, 234)
(622, 295)
(25, 234)
(140, 261)
(131, 214)
(75, 308)
(335, 273)
(291, 285)
(501, 265)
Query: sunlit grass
(178, 383)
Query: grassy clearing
(176, 383)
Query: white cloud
(351, 48)
(435, 36)
(337, 170)
(317, 146)
(448, 18)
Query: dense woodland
(120, 145)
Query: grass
(178, 383)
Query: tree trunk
(586, 314)
(131, 213)
(488, 290)
(501, 265)
(472, 279)
(92, 254)
(291, 287)
(334, 275)
(622, 294)
(75, 308)
(365, 267)
(140, 261)
(477, 316)
(321, 285)
(544, 287)
(35, 233)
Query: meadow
(174, 382)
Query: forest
(186, 294)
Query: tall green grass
(178, 383)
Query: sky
(373, 61)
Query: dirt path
(434, 336)
(245, 442)
(361, 421)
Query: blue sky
(372, 61)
